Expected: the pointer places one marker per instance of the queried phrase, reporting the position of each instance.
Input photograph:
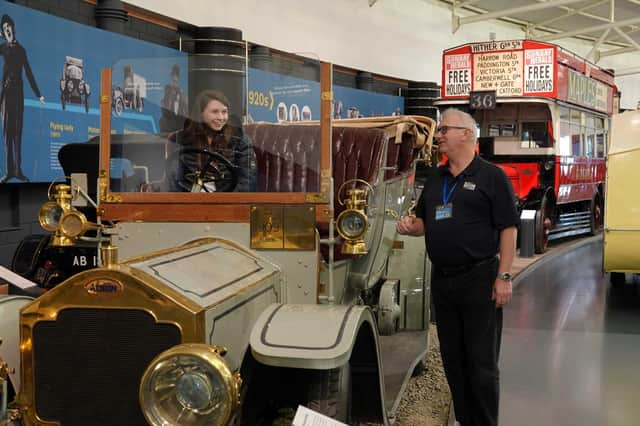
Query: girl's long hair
(199, 128)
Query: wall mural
(51, 83)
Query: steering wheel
(198, 170)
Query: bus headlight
(189, 384)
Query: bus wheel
(596, 215)
(543, 224)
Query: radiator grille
(89, 362)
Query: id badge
(444, 211)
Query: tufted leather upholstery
(288, 157)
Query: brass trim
(139, 291)
(210, 356)
(317, 197)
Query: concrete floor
(571, 346)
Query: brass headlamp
(190, 384)
(353, 222)
(59, 216)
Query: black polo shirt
(482, 204)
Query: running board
(570, 224)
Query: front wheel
(329, 392)
(543, 224)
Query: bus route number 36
(483, 99)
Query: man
(467, 213)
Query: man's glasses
(445, 129)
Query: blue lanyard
(446, 195)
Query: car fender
(10, 334)
(309, 336)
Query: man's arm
(507, 248)
(502, 289)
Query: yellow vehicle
(232, 307)
(622, 209)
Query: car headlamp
(74, 224)
(189, 384)
(351, 224)
(49, 216)
(60, 217)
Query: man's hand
(410, 225)
(41, 99)
(502, 291)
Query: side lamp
(352, 223)
(59, 216)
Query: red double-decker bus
(543, 116)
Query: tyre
(596, 215)
(543, 224)
(617, 279)
(329, 392)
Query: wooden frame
(202, 207)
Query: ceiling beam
(593, 29)
(372, 2)
(614, 52)
(620, 72)
(569, 13)
(592, 53)
(457, 21)
(628, 38)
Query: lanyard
(446, 194)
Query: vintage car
(73, 88)
(231, 307)
(621, 219)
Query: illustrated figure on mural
(174, 103)
(12, 97)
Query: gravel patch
(427, 398)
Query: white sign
(307, 417)
(538, 70)
(15, 279)
(499, 71)
(457, 74)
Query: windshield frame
(207, 207)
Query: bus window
(535, 135)
(564, 148)
(600, 140)
(589, 142)
(496, 129)
(576, 149)
(576, 133)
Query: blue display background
(269, 90)
(47, 40)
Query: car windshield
(204, 121)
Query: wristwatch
(506, 276)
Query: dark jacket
(230, 142)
